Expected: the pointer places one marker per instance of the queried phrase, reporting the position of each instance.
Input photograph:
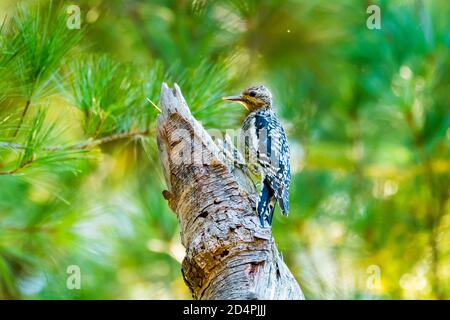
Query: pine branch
(86, 144)
(29, 229)
(80, 146)
(18, 168)
(96, 142)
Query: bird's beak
(239, 99)
(233, 98)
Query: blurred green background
(367, 114)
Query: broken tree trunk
(228, 254)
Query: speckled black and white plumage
(265, 145)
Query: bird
(265, 148)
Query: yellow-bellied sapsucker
(265, 147)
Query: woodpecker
(265, 148)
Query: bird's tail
(284, 202)
(266, 204)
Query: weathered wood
(228, 254)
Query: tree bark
(228, 254)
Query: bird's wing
(249, 141)
(274, 156)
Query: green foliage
(102, 88)
(39, 41)
(204, 87)
(366, 111)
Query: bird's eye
(252, 94)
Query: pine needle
(154, 105)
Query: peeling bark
(228, 254)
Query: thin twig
(17, 169)
(29, 229)
(22, 117)
(96, 142)
(82, 145)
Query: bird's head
(253, 98)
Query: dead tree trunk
(228, 254)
